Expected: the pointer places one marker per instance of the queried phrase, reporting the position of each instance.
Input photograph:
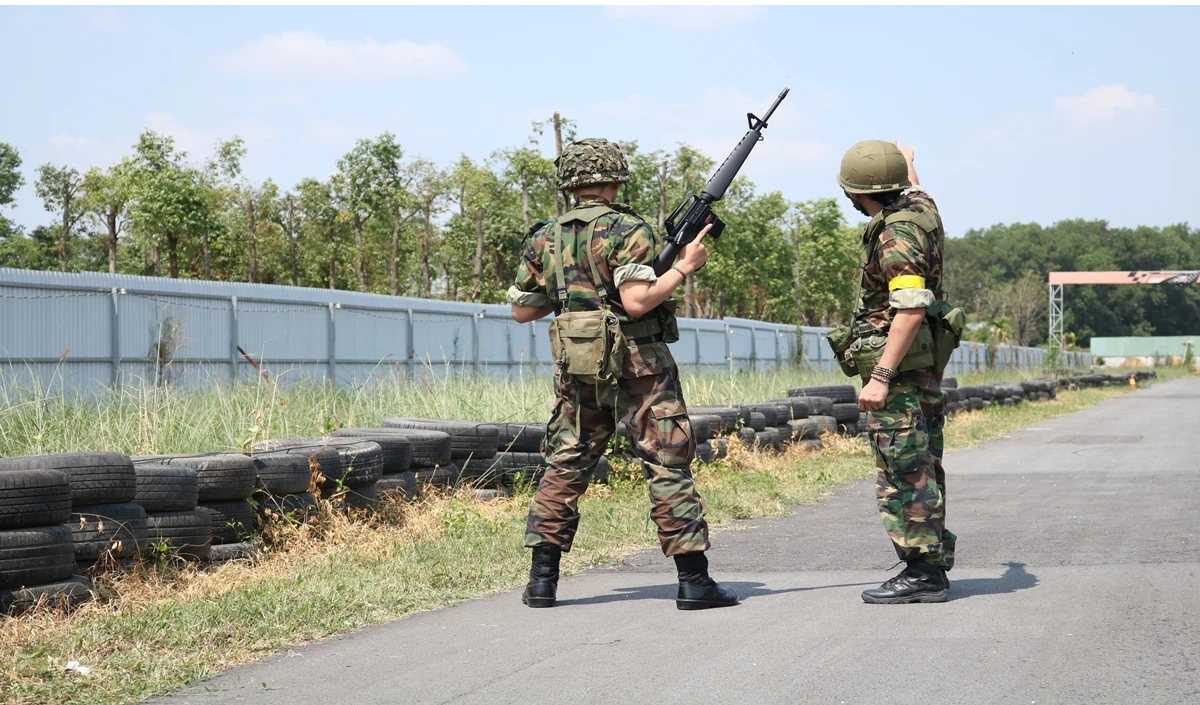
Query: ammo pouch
(670, 324)
(588, 345)
(866, 351)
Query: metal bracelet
(883, 374)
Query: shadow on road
(744, 590)
(1015, 578)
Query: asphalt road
(1076, 582)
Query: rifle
(695, 212)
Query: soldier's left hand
(873, 396)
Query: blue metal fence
(92, 330)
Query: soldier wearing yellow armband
(893, 351)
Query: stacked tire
(473, 448)
(397, 479)
(174, 524)
(224, 484)
(347, 470)
(37, 552)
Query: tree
(825, 262)
(321, 223)
(357, 186)
(60, 189)
(169, 198)
(428, 188)
(106, 200)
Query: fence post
(331, 342)
(114, 347)
(475, 318)
(410, 350)
(233, 340)
(728, 349)
(696, 333)
(753, 348)
(778, 362)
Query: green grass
(164, 628)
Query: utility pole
(564, 205)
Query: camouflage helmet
(872, 166)
(591, 161)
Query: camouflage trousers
(583, 421)
(906, 436)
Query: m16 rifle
(695, 212)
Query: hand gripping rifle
(696, 211)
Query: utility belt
(859, 349)
(660, 325)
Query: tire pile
(62, 513)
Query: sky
(1015, 114)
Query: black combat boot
(919, 582)
(697, 591)
(543, 577)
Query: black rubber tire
(757, 421)
(747, 435)
(221, 477)
(987, 403)
(95, 478)
(445, 476)
(728, 417)
(67, 593)
(34, 498)
(704, 453)
(359, 461)
(520, 437)
(232, 551)
(768, 438)
(166, 488)
(402, 485)
(804, 429)
(835, 393)
(282, 471)
(1006, 401)
(949, 383)
(489, 494)
(601, 473)
(965, 393)
(849, 429)
(297, 506)
(187, 533)
(428, 449)
(36, 555)
(720, 448)
(468, 439)
(811, 445)
(482, 472)
(825, 424)
(232, 522)
(365, 497)
(797, 408)
(702, 426)
(820, 406)
(119, 528)
(396, 447)
(975, 403)
(773, 414)
(846, 413)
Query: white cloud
(306, 55)
(65, 141)
(682, 17)
(198, 143)
(1104, 105)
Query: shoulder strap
(556, 254)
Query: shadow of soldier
(745, 591)
(1014, 579)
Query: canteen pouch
(588, 345)
(840, 339)
(866, 352)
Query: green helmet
(872, 166)
(591, 161)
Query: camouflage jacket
(902, 260)
(623, 250)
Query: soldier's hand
(873, 396)
(695, 253)
(906, 151)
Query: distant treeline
(390, 222)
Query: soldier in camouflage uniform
(560, 273)
(901, 278)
